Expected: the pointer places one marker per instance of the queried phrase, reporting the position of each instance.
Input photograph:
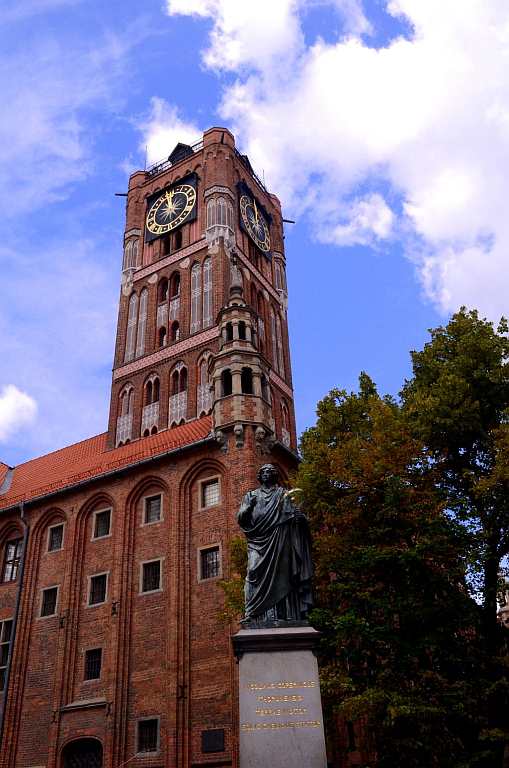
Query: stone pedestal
(281, 722)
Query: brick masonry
(166, 654)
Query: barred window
(153, 509)
(12, 559)
(5, 642)
(148, 735)
(151, 576)
(56, 537)
(210, 493)
(93, 662)
(209, 563)
(98, 589)
(102, 523)
(49, 601)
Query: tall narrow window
(207, 292)
(5, 642)
(148, 735)
(128, 254)
(178, 395)
(175, 285)
(178, 239)
(12, 559)
(280, 352)
(246, 381)
(132, 318)
(162, 291)
(175, 331)
(195, 298)
(135, 254)
(210, 566)
(49, 601)
(142, 323)
(102, 523)
(98, 587)
(151, 576)
(152, 509)
(93, 662)
(226, 382)
(55, 537)
(273, 338)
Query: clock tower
(202, 324)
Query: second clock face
(171, 209)
(255, 223)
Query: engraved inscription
(276, 712)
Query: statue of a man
(279, 570)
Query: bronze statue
(279, 569)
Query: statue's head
(268, 474)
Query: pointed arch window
(135, 254)
(142, 323)
(177, 411)
(196, 298)
(273, 338)
(285, 424)
(226, 383)
(125, 416)
(203, 391)
(280, 350)
(260, 306)
(132, 319)
(150, 413)
(175, 331)
(207, 292)
(246, 381)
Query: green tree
(457, 402)
(400, 647)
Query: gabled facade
(112, 648)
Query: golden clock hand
(256, 211)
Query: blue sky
(382, 126)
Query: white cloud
(366, 220)
(50, 88)
(17, 411)
(425, 118)
(163, 129)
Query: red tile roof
(90, 458)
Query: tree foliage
(401, 648)
(458, 404)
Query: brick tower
(202, 322)
(113, 650)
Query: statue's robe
(279, 570)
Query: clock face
(255, 223)
(171, 209)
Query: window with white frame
(12, 559)
(5, 643)
(196, 298)
(147, 737)
(98, 589)
(93, 664)
(152, 509)
(132, 320)
(150, 576)
(55, 537)
(102, 523)
(142, 323)
(209, 492)
(210, 563)
(49, 601)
